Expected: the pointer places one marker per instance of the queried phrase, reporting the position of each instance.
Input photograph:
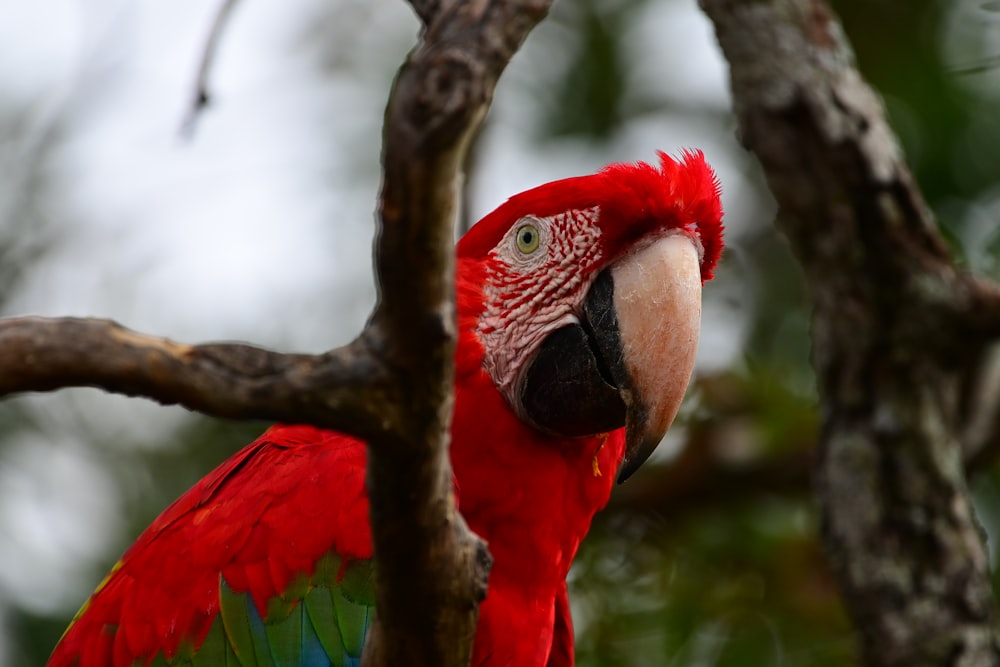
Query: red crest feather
(633, 198)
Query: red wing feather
(266, 514)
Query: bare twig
(895, 327)
(202, 97)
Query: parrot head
(589, 297)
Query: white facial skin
(540, 274)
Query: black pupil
(527, 236)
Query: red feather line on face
(632, 198)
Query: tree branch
(336, 389)
(894, 328)
(440, 97)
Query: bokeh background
(258, 226)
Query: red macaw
(579, 307)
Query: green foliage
(587, 101)
(728, 586)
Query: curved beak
(629, 360)
(658, 304)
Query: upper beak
(658, 303)
(629, 361)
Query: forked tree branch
(895, 328)
(440, 97)
(393, 385)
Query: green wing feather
(322, 620)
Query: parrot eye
(528, 238)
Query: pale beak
(657, 298)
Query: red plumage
(272, 510)
(532, 499)
(634, 197)
(257, 519)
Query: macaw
(578, 306)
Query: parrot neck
(530, 496)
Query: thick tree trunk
(895, 328)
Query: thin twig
(202, 95)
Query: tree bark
(426, 558)
(896, 328)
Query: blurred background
(258, 226)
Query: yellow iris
(528, 238)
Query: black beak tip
(636, 454)
(627, 470)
